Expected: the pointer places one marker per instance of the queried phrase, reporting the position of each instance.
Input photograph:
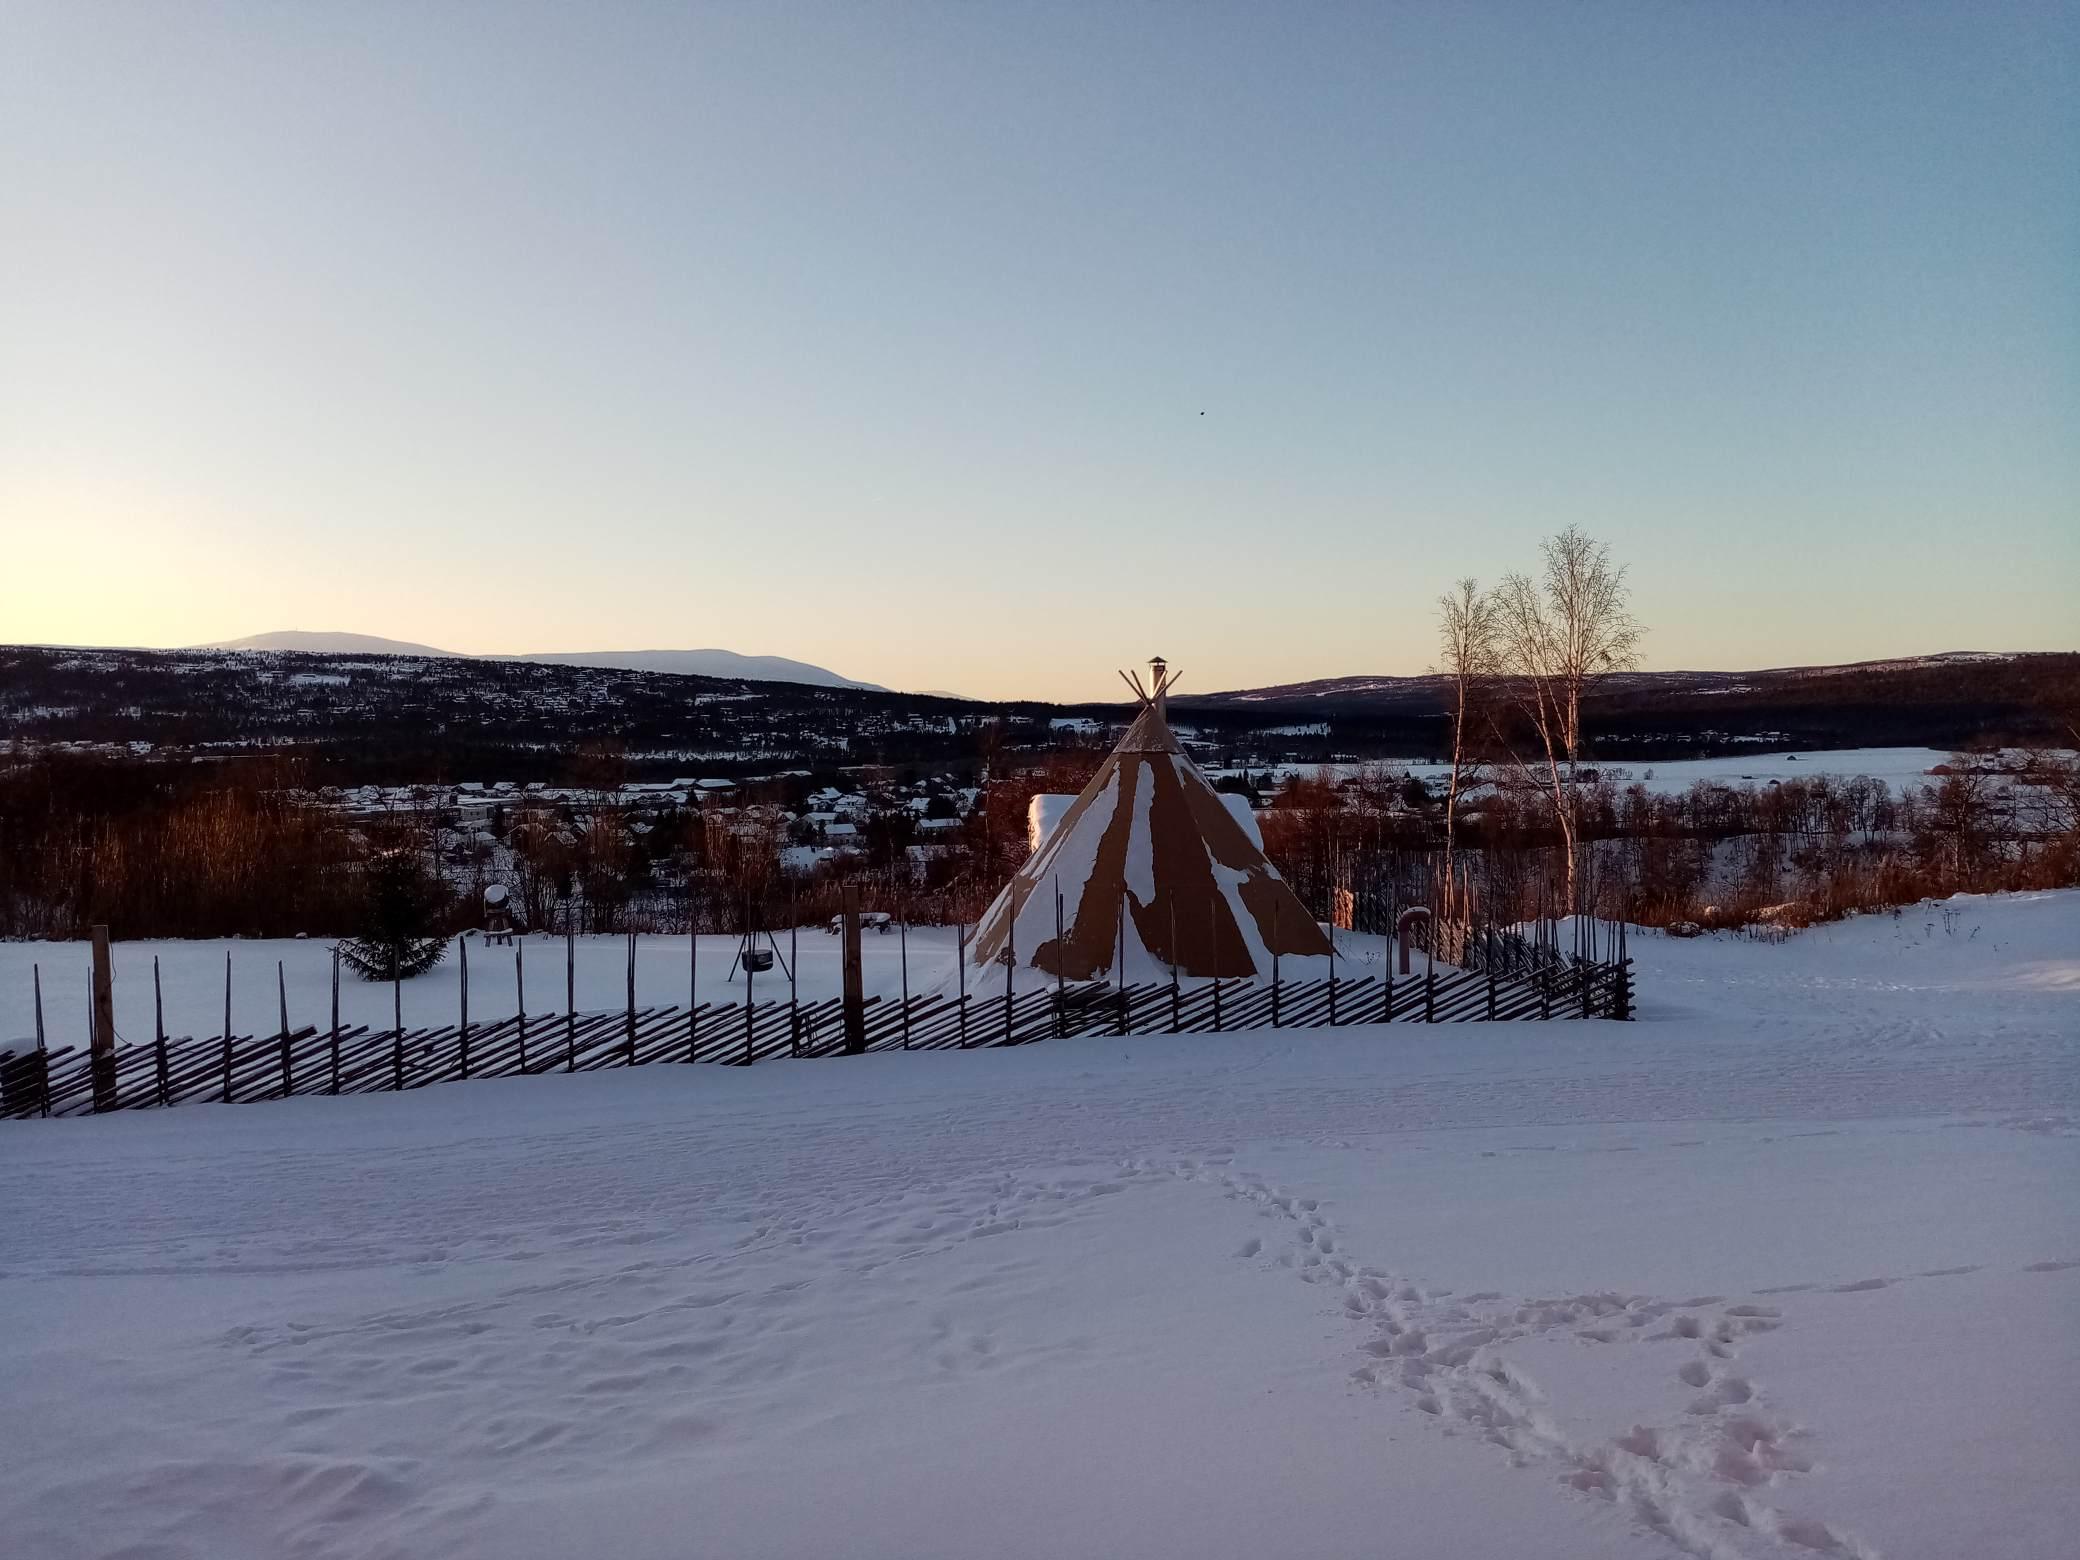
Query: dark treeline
(1792, 852)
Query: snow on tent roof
(1149, 843)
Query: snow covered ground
(1898, 767)
(1789, 1267)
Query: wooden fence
(67, 1081)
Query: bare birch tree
(1469, 654)
(1558, 633)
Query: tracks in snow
(1695, 1480)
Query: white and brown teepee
(1154, 873)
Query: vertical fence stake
(960, 945)
(855, 976)
(1121, 1026)
(1274, 965)
(335, 1020)
(462, 1034)
(1061, 995)
(903, 936)
(1332, 967)
(520, 994)
(103, 1010)
(1430, 971)
(1489, 939)
(281, 991)
(396, 1028)
(794, 990)
(693, 986)
(629, 1037)
(227, 1026)
(1010, 957)
(43, 1055)
(1176, 1021)
(570, 997)
(159, 1035)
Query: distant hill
(690, 663)
(703, 663)
(305, 642)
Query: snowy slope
(1789, 1267)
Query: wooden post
(227, 1026)
(570, 997)
(693, 986)
(396, 1029)
(335, 1020)
(1120, 1019)
(103, 1060)
(1010, 959)
(43, 1059)
(281, 991)
(1175, 1021)
(1488, 941)
(903, 933)
(750, 984)
(794, 989)
(855, 979)
(462, 1034)
(520, 994)
(159, 1068)
(629, 1029)
(1061, 996)
(1332, 971)
(1275, 987)
(1430, 972)
(960, 948)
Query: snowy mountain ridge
(693, 663)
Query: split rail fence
(331, 1059)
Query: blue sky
(988, 347)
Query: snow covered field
(1789, 1267)
(1898, 767)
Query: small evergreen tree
(400, 918)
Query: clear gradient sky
(989, 347)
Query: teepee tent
(1154, 873)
